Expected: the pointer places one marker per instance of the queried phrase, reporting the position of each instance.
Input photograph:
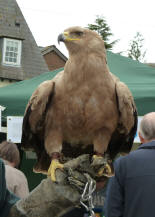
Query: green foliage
(103, 30)
(136, 48)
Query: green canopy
(15, 96)
(139, 77)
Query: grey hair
(147, 126)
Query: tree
(102, 28)
(136, 51)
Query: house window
(12, 52)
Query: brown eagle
(84, 109)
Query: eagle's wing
(123, 137)
(38, 103)
(126, 107)
(37, 106)
(34, 117)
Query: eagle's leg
(55, 164)
(53, 147)
(101, 141)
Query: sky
(48, 18)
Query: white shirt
(16, 181)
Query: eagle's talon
(107, 170)
(55, 164)
(96, 160)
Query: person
(7, 199)
(15, 179)
(131, 192)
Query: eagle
(83, 109)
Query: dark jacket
(7, 199)
(131, 192)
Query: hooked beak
(66, 37)
(62, 37)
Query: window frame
(18, 62)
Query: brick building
(53, 57)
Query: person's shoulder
(20, 173)
(123, 161)
(120, 160)
(126, 157)
(9, 168)
(16, 172)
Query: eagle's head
(81, 39)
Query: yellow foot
(107, 169)
(55, 164)
(97, 157)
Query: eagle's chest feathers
(82, 110)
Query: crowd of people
(130, 192)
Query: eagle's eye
(78, 33)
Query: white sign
(137, 140)
(14, 128)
